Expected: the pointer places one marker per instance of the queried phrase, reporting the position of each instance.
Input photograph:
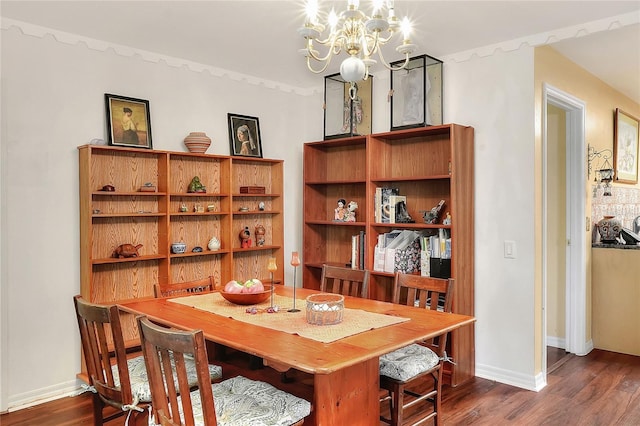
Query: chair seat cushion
(407, 362)
(140, 381)
(243, 402)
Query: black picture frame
(244, 125)
(416, 93)
(128, 121)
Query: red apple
(233, 286)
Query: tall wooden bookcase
(427, 165)
(156, 220)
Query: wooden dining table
(345, 371)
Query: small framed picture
(244, 136)
(625, 147)
(128, 121)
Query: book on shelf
(358, 250)
(385, 205)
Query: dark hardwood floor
(600, 389)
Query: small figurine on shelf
(197, 208)
(350, 215)
(245, 238)
(340, 211)
(261, 206)
(260, 231)
(196, 185)
(447, 219)
(431, 216)
(183, 208)
(127, 250)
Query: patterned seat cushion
(407, 362)
(243, 402)
(140, 382)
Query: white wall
(52, 101)
(494, 94)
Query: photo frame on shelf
(625, 147)
(128, 121)
(416, 93)
(244, 136)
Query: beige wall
(556, 226)
(601, 101)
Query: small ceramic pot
(178, 248)
(609, 229)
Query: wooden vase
(197, 142)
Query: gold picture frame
(625, 147)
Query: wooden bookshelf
(427, 165)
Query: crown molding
(541, 39)
(129, 52)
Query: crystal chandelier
(359, 35)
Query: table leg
(349, 396)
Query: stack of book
(358, 250)
(385, 202)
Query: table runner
(354, 321)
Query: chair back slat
(185, 288)
(425, 292)
(102, 340)
(345, 281)
(160, 346)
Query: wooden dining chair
(238, 400)
(185, 288)
(345, 281)
(402, 369)
(117, 380)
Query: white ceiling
(259, 38)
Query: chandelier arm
(389, 67)
(326, 64)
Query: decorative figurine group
(245, 236)
(345, 213)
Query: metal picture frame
(244, 136)
(128, 121)
(625, 147)
(416, 93)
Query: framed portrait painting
(244, 135)
(128, 121)
(625, 147)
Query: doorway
(564, 225)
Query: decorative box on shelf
(252, 189)
(344, 116)
(416, 93)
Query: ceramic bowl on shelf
(178, 248)
(248, 298)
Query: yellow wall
(556, 221)
(601, 102)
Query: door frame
(576, 222)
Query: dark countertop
(616, 246)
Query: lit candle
(406, 28)
(311, 10)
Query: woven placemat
(354, 321)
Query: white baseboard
(40, 396)
(556, 342)
(512, 378)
